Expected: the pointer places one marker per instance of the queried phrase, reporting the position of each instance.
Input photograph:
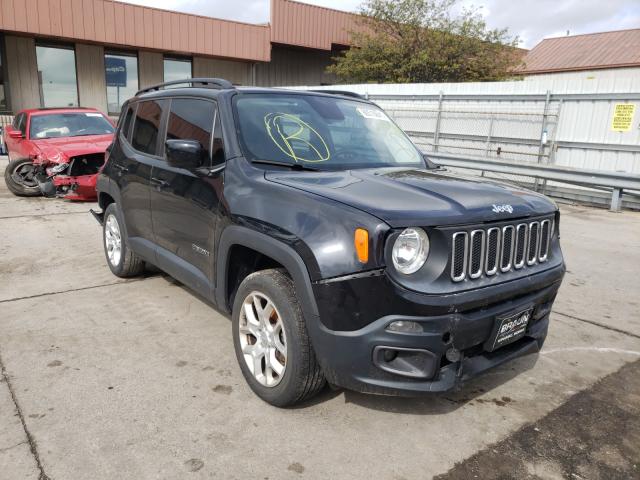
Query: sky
(530, 20)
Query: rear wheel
(271, 340)
(20, 177)
(121, 260)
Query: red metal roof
(125, 25)
(303, 25)
(584, 52)
(122, 24)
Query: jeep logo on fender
(502, 208)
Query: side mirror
(15, 133)
(187, 154)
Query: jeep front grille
(481, 251)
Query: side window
(146, 127)
(126, 123)
(192, 119)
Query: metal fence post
(436, 134)
(616, 200)
(552, 145)
(489, 135)
(543, 134)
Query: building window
(121, 73)
(57, 76)
(177, 69)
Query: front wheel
(271, 340)
(121, 260)
(20, 177)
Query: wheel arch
(284, 255)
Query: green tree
(409, 41)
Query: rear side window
(126, 123)
(146, 127)
(192, 119)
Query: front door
(185, 203)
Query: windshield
(325, 133)
(69, 125)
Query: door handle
(122, 168)
(160, 183)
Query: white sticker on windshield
(372, 113)
(93, 114)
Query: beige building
(98, 53)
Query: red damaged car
(56, 152)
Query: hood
(60, 149)
(420, 197)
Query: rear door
(131, 160)
(185, 203)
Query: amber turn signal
(361, 240)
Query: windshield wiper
(292, 166)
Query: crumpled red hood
(59, 150)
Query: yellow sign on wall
(622, 120)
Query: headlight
(410, 250)
(61, 167)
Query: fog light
(390, 355)
(453, 355)
(405, 326)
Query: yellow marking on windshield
(273, 124)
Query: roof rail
(219, 83)
(346, 93)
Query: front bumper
(351, 359)
(77, 188)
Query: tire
(19, 169)
(122, 261)
(301, 378)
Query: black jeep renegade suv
(341, 252)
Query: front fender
(280, 252)
(321, 230)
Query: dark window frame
(5, 77)
(217, 128)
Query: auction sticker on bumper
(509, 329)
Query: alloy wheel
(113, 240)
(263, 339)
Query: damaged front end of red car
(72, 178)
